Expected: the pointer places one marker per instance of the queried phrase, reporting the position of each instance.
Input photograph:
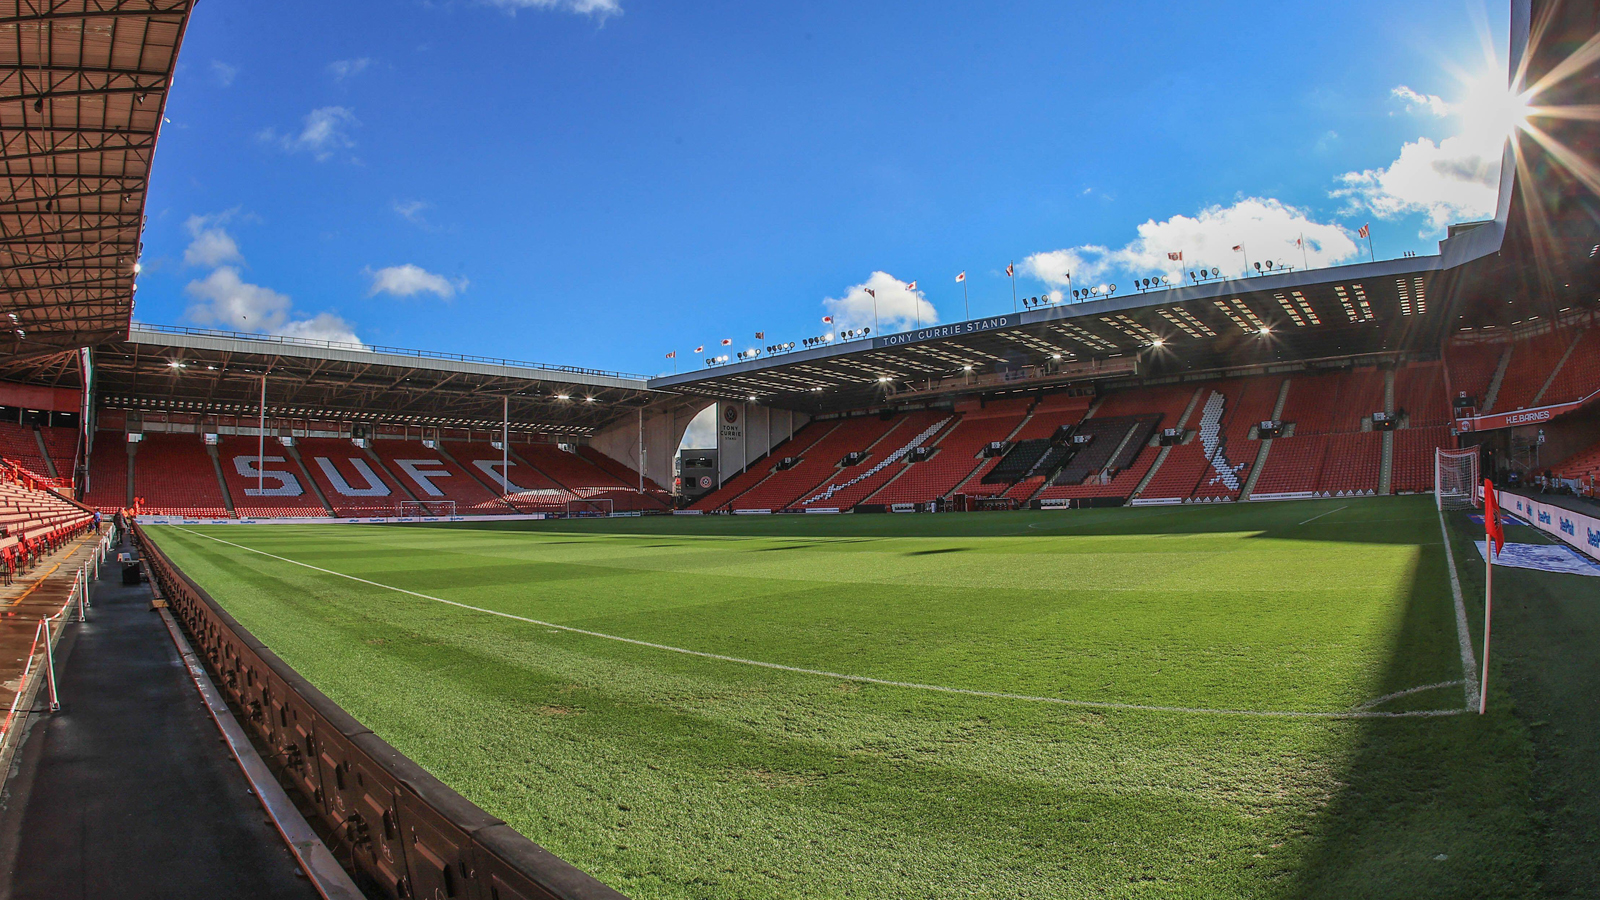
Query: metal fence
(401, 832)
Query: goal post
(1455, 478)
(425, 508)
(594, 507)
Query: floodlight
(1056, 357)
(1158, 342)
(1266, 329)
(1215, 272)
(1258, 266)
(752, 398)
(883, 379)
(561, 397)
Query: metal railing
(378, 348)
(399, 830)
(41, 663)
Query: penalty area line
(1328, 513)
(1358, 713)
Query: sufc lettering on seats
(273, 484)
(424, 477)
(375, 486)
(491, 468)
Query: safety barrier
(39, 667)
(399, 830)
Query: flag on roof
(827, 320)
(1366, 231)
(873, 293)
(727, 341)
(1238, 247)
(912, 286)
(961, 277)
(1176, 257)
(1011, 270)
(672, 355)
(761, 335)
(700, 349)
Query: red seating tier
(1472, 367)
(108, 473)
(17, 444)
(1532, 361)
(1419, 392)
(357, 486)
(172, 474)
(761, 469)
(955, 454)
(583, 478)
(817, 465)
(1579, 376)
(430, 476)
(1413, 457)
(280, 490)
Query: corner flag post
(1494, 538)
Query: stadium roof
(83, 84)
(1373, 308)
(194, 371)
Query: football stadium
(1272, 583)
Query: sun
(1490, 109)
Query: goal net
(1455, 478)
(596, 507)
(420, 508)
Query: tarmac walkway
(129, 791)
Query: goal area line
(1362, 711)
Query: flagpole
(1488, 606)
(1013, 270)
(964, 301)
(1371, 252)
(1303, 257)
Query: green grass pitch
(675, 774)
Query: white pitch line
(1469, 660)
(1408, 692)
(1328, 513)
(863, 679)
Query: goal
(595, 507)
(425, 508)
(1455, 478)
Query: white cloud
(341, 69)
(1450, 181)
(223, 298)
(324, 133)
(411, 211)
(226, 300)
(1453, 179)
(223, 73)
(895, 307)
(1415, 101)
(1266, 228)
(600, 9)
(210, 245)
(702, 431)
(409, 280)
(322, 327)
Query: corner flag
(1494, 532)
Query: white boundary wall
(1576, 529)
(327, 520)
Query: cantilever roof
(83, 84)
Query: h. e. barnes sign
(938, 332)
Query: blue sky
(599, 182)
